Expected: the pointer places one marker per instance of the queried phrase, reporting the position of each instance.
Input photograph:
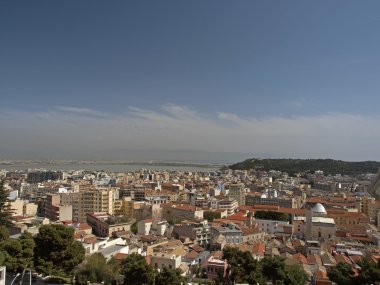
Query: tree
(137, 271)
(5, 211)
(134, 228)
(242, 267)
(294, 275)
(341, 274)
(56, 250)
(18, 254)
(210, 216)
(169, 276)
(369, 272)
(273, 268)
(4, 234)
(96, 269)
(2, 257)
(270, 215)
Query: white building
(2, 275)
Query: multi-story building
(199, 232)
(55, 211)
(374, 210)
(231, 232)
(124, 206)
(271, 226)
(237, 192)
(40, 176)
(23, 207)
(178, 212)
(229, 204)
(136, 194)
(283, 202)
(104, 225)
(90, 200)
(95, 200)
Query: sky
(106, 79)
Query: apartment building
(90, 200)
(23, 207)
(228, 204)
(178, 212)
(231, 232)
(237, 192)
(55, 211)
(199, 232)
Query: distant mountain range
(292, 166)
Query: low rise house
(151, 226)
(159, 260)
(214, 266)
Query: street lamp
(17, 275)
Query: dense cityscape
(209, 142)
(175, 227)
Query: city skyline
(271, 79)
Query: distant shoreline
(109, 162)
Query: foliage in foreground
(343, 274)
(57, 252)
(96, 269)
(5, 211)
(244, 269)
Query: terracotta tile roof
(258, 248)
(191, 255)
(342, 258)
(120, 256)
(249, 231)
(300, 258)
(240, 216)
(356, 258)
(227, 221)
(197, 248)
(314, 259)
(320, 274)
(181, 206)
(298, 243)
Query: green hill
(291, 166)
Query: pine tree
(5, 211)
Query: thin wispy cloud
(80, 111)
(336, 135)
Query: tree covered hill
(291, 166)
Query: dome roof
(319, 209)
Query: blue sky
(269, 78)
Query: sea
(111, 167)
